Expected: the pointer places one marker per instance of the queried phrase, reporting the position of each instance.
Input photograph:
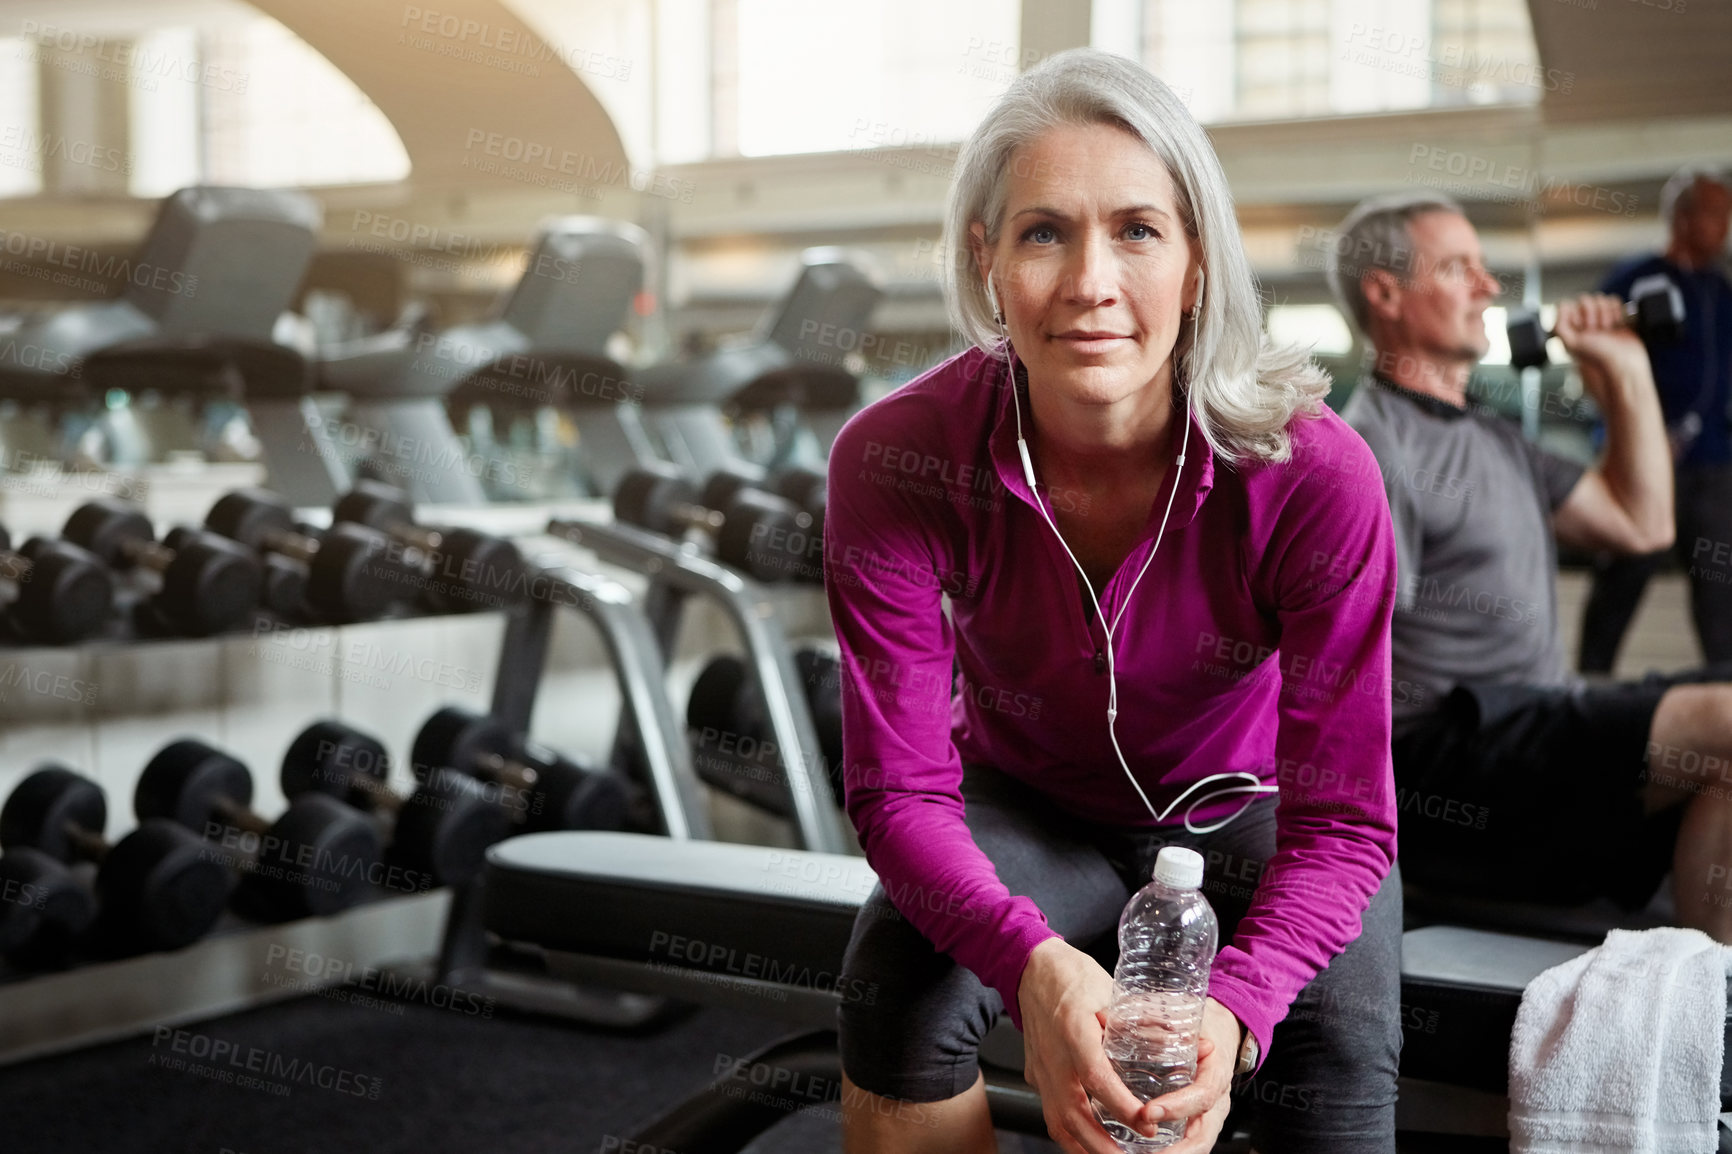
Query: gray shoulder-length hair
(1244, 389)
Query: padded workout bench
(765, 929)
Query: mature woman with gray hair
(1110, 580)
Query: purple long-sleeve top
(1258, 640)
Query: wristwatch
(1249, 1051)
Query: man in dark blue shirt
(1694, 377)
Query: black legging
(1328, 1083)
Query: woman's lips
(1090, 342)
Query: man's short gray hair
(1678, 190)
(1376, 235)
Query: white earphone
(1251, 784)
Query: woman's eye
(1140, 232)
(1041, 234)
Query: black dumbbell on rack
(442, 830)
(457, 569)
(319, 858)
(810, 490)
(158, 888)
(807, 488)
(726, 710)
(43, 907)
(547, 790)
(343, 575)
(1655, 312)
(284, 582)
(764, 536)
(204, 586)
(56, 592)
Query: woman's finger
(1210, 1086)
(1103, 1082)
(1186, 1101)
(1077, 1117)
(1202, 1132)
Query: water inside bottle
(1151, 1040)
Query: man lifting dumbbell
(455, 570)
(549, 791)
(1514, 776)
(205, 586)
(1694, 376)
(442, 830)
(765, 536)
(1655, 312)
(54, 592)
(319, 858)
(158, 888)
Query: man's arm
(1625, 503)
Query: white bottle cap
(1179, 867)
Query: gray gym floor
(448, 1082)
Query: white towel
(1620, 1049)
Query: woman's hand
(1205, 1101)
(1063, 997)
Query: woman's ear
(1193, 298)
(981, 251)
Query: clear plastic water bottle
(1166, 945)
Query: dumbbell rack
(229, 969)
(677, 572)
(650, 741)
(226, 972)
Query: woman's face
(1092, 266)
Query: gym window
(1285, 59)
(240, 100)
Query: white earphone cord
(1251, 783)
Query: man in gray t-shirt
(1514, 779)
(1472, 503)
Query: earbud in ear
(1197, 302)
(992, 299)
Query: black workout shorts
(1534, 793)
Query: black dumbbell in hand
(442, 830)
(545, 791)
(1654, 312)
(55, 592)
(158, 887)
(457, 569)
(319, 858)
(204, 586)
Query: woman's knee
(913, 1019)
(920, 1049)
